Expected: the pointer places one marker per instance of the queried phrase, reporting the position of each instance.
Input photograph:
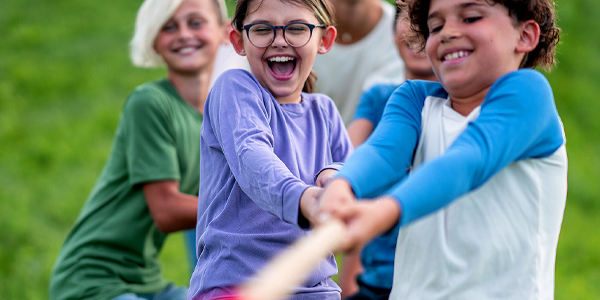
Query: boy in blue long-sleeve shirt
(481, 209)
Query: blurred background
(65, 74)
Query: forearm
(181, 215)
(349, 270)
(487, 145)
(171, 210)
(359, 130)
(385, 157)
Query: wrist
(391, 212)
(308, 206)
(341, 185)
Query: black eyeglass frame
(283, 28)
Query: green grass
(65, 73)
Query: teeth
(455, 55)
(280, 59)
(187, 49)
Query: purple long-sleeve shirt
(258, 157)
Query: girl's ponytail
(311, 81)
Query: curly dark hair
(541, 11)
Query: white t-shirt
(496, 242)
(227, 59)
(347, 70)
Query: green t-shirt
(113, 247)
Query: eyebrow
(459, 6)
(185, 17)
(288, 22)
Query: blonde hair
(151, 16)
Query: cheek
(211, 34)
(254, 55)
(308, 56)
(430, 49)
(160, 43)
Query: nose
(185, 32)
(450, 31)
(279, 40)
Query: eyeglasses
(296, 34)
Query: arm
(368, 112)
(341, 149)
(518, 120)
(519, 107)
(154, 158)
(325, 177)
(171, 210)
(359, 130)
(382, 161)
(350, 268)
(240, 113)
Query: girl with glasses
(268, 146)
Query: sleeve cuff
(291, 206)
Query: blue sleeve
(518, 120)
(385, 158)
(372, 102)
(239, 114)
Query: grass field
(65, 73)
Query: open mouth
(282, 66)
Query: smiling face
(416, 64)
(281, 68)
(189, 40)
(471, 44)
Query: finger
(358, 223)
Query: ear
(236, 38)
(327, 39)
(529, 37)
(227, 28)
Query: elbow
(163, 222)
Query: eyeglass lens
(296, 34)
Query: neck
(192, 87)
(355, 19)
(294, 98)
(408, 74)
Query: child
(362, 55)
(148, 186)
(371, 276)
(371, 104)
(263, 141)
(480, 213)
